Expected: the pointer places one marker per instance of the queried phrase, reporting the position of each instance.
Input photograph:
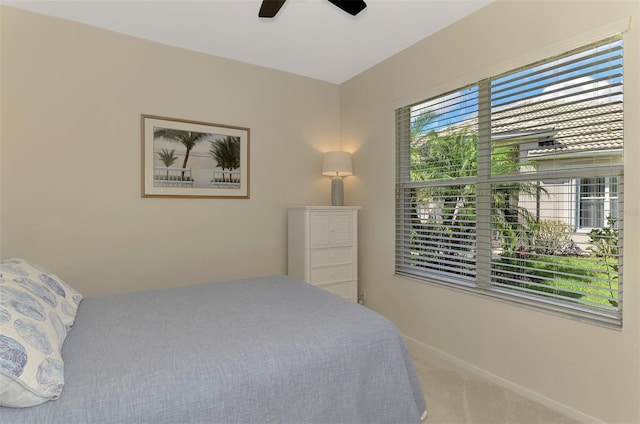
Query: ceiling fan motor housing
(270, 8)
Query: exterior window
(598, 201)
(494, 180)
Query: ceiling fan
(270, 8)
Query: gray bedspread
(263, 350)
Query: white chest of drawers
(323, 247)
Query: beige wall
(70, 157)
(591, 371)
(72, 96)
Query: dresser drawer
(325, 257)
(332, 274)
(341, 289)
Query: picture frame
(184, 158)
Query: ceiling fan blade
(270, 8)
(352, 7)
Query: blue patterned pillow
(36, 311)
(57, 294)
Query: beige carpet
(455, 396)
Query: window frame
(483, 284)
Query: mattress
(262, 350)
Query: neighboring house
(562, 140)
(592, 133)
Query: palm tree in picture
(168, 158)
(226, 153)
(187, 138)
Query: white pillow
(36, 311)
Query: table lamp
(337, 165)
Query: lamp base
(337, 191)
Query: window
(494, 179)
(598, 201)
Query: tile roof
(578, 126)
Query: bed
(262, 350)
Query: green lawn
(568, 276)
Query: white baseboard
(420, 349)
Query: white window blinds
(513, 187)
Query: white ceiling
(308, 37)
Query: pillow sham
(57, 294)
(36, 311)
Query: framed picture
(194, 159)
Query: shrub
(604, 244)
(551, 237)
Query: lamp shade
(337, 164)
